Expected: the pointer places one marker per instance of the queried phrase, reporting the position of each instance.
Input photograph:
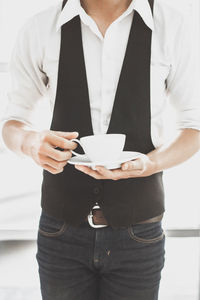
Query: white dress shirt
(174, 63)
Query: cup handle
(72, 151)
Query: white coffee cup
(101, 147)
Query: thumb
(67, 135)
(136, 164)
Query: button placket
(105, 83)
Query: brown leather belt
(99, 219)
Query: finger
(60, 142)
(52, 170)
(89, 171)
(114, 174)
(105, 172)
(50, 151)
(136, 164)
(117, 174)
(64, 134)
(136, 173)
(45, 160)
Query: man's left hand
(140, 167)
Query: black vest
(71, 194)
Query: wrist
(28, 142)
(154, 162)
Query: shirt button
(96, 190)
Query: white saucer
(84, 160)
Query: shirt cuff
(189, 119)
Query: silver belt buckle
(90, 218)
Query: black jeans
(85, 263)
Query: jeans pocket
(146, 233)
(50, 226)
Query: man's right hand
(41, 146)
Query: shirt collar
(73, 8)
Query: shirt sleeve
(28, 81)
(183, 82)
